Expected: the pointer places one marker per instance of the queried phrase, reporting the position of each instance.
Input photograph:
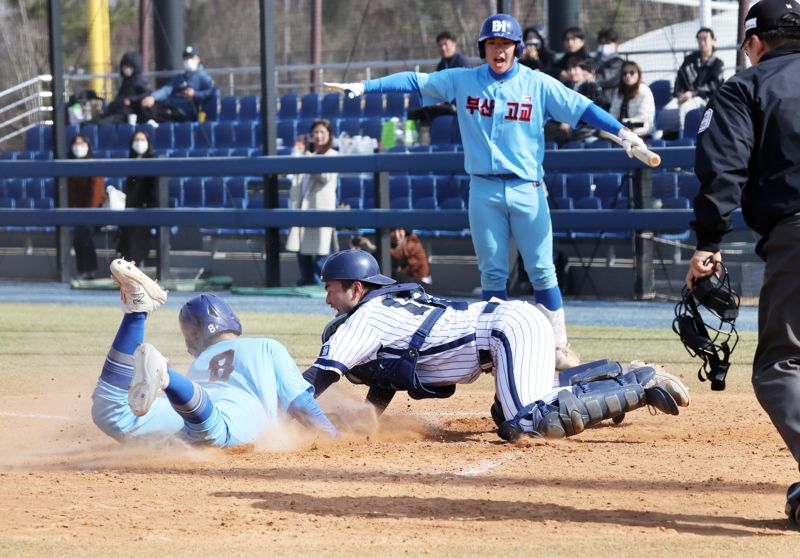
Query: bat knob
(349, 94)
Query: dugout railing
(640, 221)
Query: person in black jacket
(140, 191)
(608, 62)
(132, 90)
(447, 48)
(700, 75)
(536, 55)
(748, 154)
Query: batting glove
(349, 90)
(629, 141)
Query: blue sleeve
(598, 118)
(305, 410)
(401, 82)
(162, 93)
(206, 89)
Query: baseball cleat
(137, 291)
(150, 377)
(663, 379)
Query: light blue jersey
(248, 381)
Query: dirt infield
(432, 480)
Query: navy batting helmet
(354, 265)
(503, 26)
(203, 318)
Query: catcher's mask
(711, 301)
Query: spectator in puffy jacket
(141, 191)
(183, 98)
(409, 260)
(132, 90)
(84, 191)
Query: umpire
(748, 154)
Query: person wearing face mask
(84, 191)
(183, 98)
(313, 191)
(141, 192)
(607, 62)
(132, 89)
(536, 55)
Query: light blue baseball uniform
(502, 128)
(247, 380)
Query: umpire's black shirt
(748, 149)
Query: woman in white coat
(632, 102)
(313, 191)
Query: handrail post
(382, 237)
(644, 286)
(163, 255)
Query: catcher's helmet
(712, 343)
(354, 265)
(503, 26)
(203, 318)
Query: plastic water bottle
(388, 133)
(411, 136)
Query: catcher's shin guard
(793, 503)
(589, 403)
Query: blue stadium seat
(350, 187)
(398, 192)
(422, 187)
(373, 105)
(202, 134)
(14, 188)
(665, 185)
(578, 185)
(607, 188)
(330, 108)
(44, 203)
(442, 130)
(165, 138)
(350, 126)
(598, 144)
(550, 146)
(692, 122)
(236, 187)
(34, 188)
(248, 108)
(202, 152)
(688, 186)
(244, 134)
(309, 106)
(179, 153)
(662, 92)
(353, 202)
(448, 188)
(560, 203)
(175, 189)
(88, 130)
(214, 192)
(288, 107)
(124, 135)
(414, 102)
(225, 135)
(303, 127)
(680, 142)
(395, 105)
(229, 109)
(193, 192)
(452, 203)
(351, 108)
(555, 184)
(591, 204)
(676, 203)
(33, 139)
(44, 156)
(49, 185)
(184, 136)
(287, 132)
(576, 144)
(7, 203)
(244, 152)
(106, 137)
(372, 127)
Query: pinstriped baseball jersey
(502, 121)
(518, 336)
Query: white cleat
(150, 377)
(672, 384)
(137, 291)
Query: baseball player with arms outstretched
(502, 107)
(394, 337)
(234, 389)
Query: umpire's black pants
(776, 366)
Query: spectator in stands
(409, 260)
(84, 191)
(608, 62)
(447, 48)
(632, 102)
(313, 191)
(132, 90)
(536, 55)
(141, 192)
(574, 50)
(582, 80)
(183, 98)
(700, 75)
(361, 242)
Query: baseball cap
(190, 51)
(766, 15)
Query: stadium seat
(560, 203)
(589, 203)
(442, 130)
(351, 202)
(414, 102)
(229, 109)
(193, 192)
(448, 188)
(14, 188)
(676, 203)
(33, 139)
(7, 203)
(49, 185)
(555, 184)
(665, 185)
(575, 144)
(398, 192)
(165, 138)
(692, 122)
(680, 142)
(202, 152)
(578, 185)
(688, 186)
(607, 187)
(288, 107)
(350, 126)
(373, 105)
(106, 137)
(236, 187)
(225, 135)
(244, 134)
(34, 188)
(452, 203)
(248, 108)
(214, 192)
(372, 127)
(550, 146)
(309, 106)
(330, 108)
(44, 203)
(202, 135)
(662, 92)
(286, 132)
(88, 130)
(125, 135)
(350, 187)
(175, 189)
(395, 105)
(178, 153)
(423, 187)
(351, 108)
(184, 135)
(598, 144)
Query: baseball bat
(642, 153)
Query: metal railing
(22, 107)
